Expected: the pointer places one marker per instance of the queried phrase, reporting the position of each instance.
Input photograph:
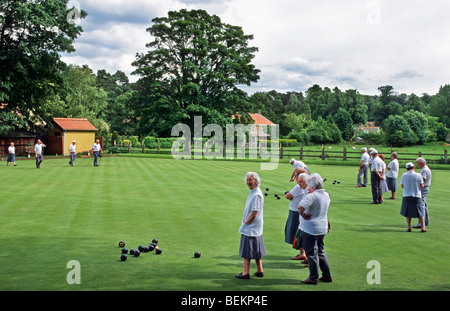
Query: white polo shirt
(12, 149)
(298, 164)
(255, 202)
(411, 184)
(72, 148)
(392, 172)
(315, 204)
(365, 158)
(298, 193)
(96, 147)
(38, 148)
(377, 164)
(426, 174)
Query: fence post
(301, 153)
(129, 147)
(281, 151)
(323, 153)
(143, 147)
(158, 148)
(445, 157)
(345, 154)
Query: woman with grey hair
(314, 226)
(392, 174)
(412, 183)
(251, 230)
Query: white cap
(373, 151)
(409, 165)
(364, 148)
(292, 160)
(74, 141)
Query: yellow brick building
(66, 130)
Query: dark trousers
(39, 160)
(72, 158)
(376, 187)
(317, 258)
(96, 154)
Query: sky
(349, 44)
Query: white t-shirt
(96, 147)
(365, 158)
(377, 164)
(298, 164)
(72, 148)
(411, 184)
(298, 193)
(12, 149)
(38, 148)
(426, 174)
(316, 204)
(255, 202)
(392, 172)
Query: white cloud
(350, 44)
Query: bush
(150, 142)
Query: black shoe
(327, 280)
(259, 274)
(243, 276)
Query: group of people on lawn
(307, 222)
(38, 151)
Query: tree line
(195, 65)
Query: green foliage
(33, 34)
(193, 67)
(398, 132)
(344, 122)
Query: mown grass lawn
(59, 213)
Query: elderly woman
(314, 226)
(295, 195)
(392, 174)
(412, 207)
(251, 230)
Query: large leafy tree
(33, 34)
(195, 63)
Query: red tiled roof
(260, 119)
(68, 124)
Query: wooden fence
(345, 155)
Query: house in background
(370, 128)
(259, 131)
(66, 130)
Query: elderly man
(251, 230)
(295, 195)
(412, 183)
(314, 226)
(72, 150)
(375, 177)
(295, 164)
(426, 175)
(38, 153)
(362, 170)
(11, 154)
(96, 150)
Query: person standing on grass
(292, 223)
(412, 207)
(72, 150)
(314, 226)
(375, 177)
(426, 175)
(38, 153)
(252, 244)
(392, 174)
(383, 185)
(96, 150)
(11, 154)
(362, 170)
